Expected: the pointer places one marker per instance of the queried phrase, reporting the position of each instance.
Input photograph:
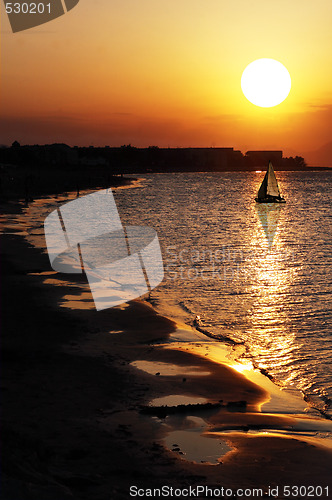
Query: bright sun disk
(266, 82)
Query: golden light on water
(270, 277)
(242, 367)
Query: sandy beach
(91, 399)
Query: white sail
(272, 188)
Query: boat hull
(270, 199)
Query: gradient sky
(167, 73)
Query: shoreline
(78, 421)
(226, 340)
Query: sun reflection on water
(272, 334)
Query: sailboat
(269, 191)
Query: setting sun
(130, 79)
(266, 82)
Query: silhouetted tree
(300, 161)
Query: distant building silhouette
(129, 159)
(261, 158)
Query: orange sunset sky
(168, 73)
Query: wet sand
(76, 385)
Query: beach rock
(266, 373)
(161, 413)
(236, 405)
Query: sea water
(256, 273)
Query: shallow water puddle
(192, 445)
(167, 369)
(82, 300)
(176, 400)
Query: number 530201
(28, 8)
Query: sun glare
(266, 83)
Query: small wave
(186, 308)
(197, 323)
